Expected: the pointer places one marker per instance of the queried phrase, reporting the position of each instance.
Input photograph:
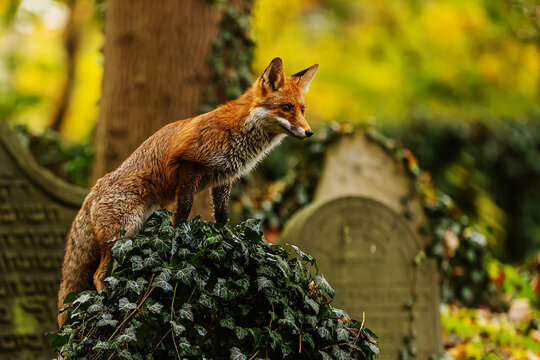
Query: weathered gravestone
(366, 247)
(36, 211)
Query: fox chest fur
(245, 150)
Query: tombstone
(366, 247)
(36, 211)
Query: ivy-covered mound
(204, 290)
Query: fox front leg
(188, 183)
(220, 197)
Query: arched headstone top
(357, 166)
(40, 177)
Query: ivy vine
(231, 56)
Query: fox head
(279, 100)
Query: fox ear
(304, 77)
(273, 77)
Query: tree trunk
(155, 69)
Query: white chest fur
(247, 149)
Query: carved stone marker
(366, 248)
(36, 211)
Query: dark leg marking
(220, 196)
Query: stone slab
(366, 251)
(36, 211)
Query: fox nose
(309, 133)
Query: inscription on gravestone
(366, 251)
(36, 211)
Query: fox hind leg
(131, 222)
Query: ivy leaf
(207, 301)
(103, 345)
(183, 253)
(266, 271)
(306, 337)
(71, 297)
(371, 334)
(339, 354)
(162, 243)
(184, 273)
(161, 281)
(252, 235)
(342, 334)
(185, 312)
(121, 248)
(178, 329)
(183, 342)
(302, 254)
(325, 355)
(106, 319)
(58, 340)
(240, 332)
(324, 285)
(284, 266)
(312, 304)
(275, 338)
(236, 354)
(220, 289)
(212, 240)
(151, 260)
(264, 283)
(136, 263)
(128, 336)
(200, 330)
(136, 286)
(95, 308)
(156, 308)
(285, 349)
(227, 323)
(374, 349)
(125, 305)
(82, 299)
(311, 320)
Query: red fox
(182, 158)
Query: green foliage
(515, 282)
(392, 59)
(465, 276)
(492, 171)
(204, 290)
(232, 54)
(69, 161)
(481, 334)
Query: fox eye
(286, 108)
(303, 109)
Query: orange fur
(182, 158)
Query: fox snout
(294, 130)
(305, 135)
(302, 133)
